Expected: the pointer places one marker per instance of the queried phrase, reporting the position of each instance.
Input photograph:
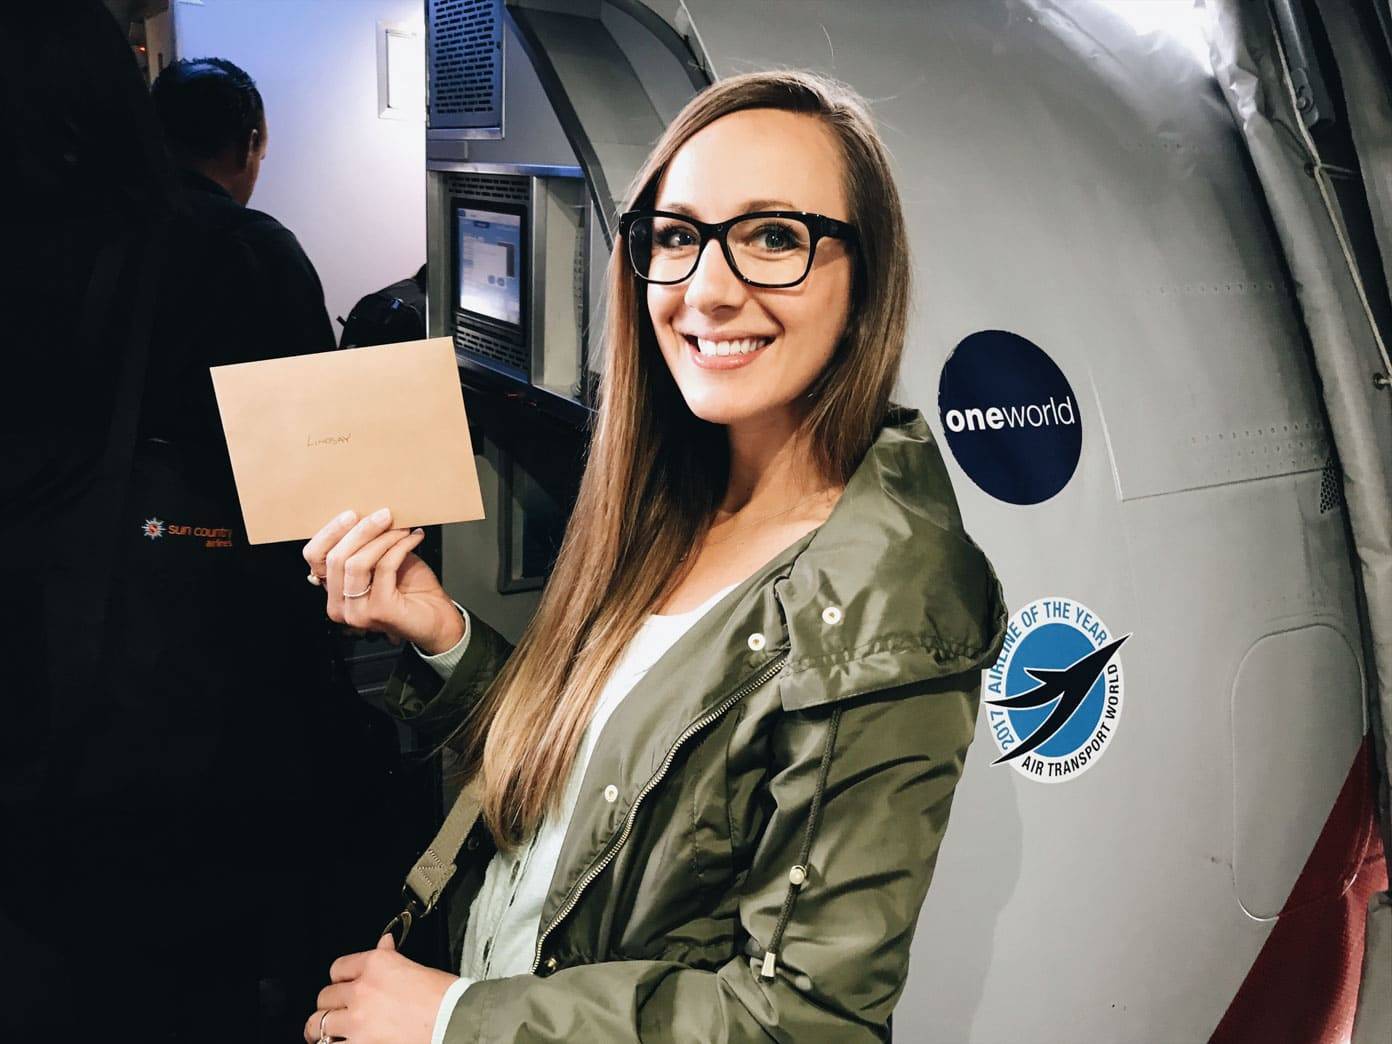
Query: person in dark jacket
(240, 288)
(88, 184)
(148, 890)
(253, 292)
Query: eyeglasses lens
(765, 249)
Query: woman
(740, 850)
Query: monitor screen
(490, 247)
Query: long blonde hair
(656, 472)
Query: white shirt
(504, 920)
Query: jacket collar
(889, 590)
(911, 594)
(193, 181)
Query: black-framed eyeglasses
(765, 248)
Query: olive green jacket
(817, 717)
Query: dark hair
(206, 105)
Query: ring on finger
(315, 579)
(361, 593)
(324, 1037)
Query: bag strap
(426, 882)
(125, 415)
(95, 561)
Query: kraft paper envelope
(361, 428)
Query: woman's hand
(379, 997)
(375, 583)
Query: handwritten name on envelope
(361, 428)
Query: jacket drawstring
(797, 876)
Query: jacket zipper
(768, 671)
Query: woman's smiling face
(757, 159)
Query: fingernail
(381, 514)
(345, 518)
(417, 531)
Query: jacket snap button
(611, 793)
(797, 875)
(831, 614)
(472, 843)
(552, 964)
(756, 641)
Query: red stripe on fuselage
(1303, 986)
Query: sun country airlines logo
(203, 536)
(1054, 696)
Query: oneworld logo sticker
(1010, 417)
(1054, 695)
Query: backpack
(388, 316)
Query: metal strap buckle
(412, 912)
